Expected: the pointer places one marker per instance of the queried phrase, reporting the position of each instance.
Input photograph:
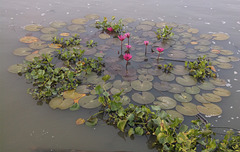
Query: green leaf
(130, 132)
(139, 131)
(130, 117)
(106, 77)
(101, 100)
(99, 90)
(121, 125)
(75, 107)
(161, 137)
(106, 94)
(92, 121)
(155, 107)
(157, 121)
(162, 114)
(183, 128)
(115, 106)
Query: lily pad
(46, 51)
(89, 51)
(47, 37)
(103, 47)
(220, 36)
(143, 98)
(223, 59)
(144, 27)
(92, 16)
(104, 36)
(174, 114)
(185, 35)
(129, 20)
(142, 71)
(141, 86)
(176, 88)
(101, 55)
(177, 54)
(122, 85)
(28, 39)
(151, 23)
(155, 72)
(33, 27)
(116, 91)
(183, 97)
(83, 89)
(193, 30)
(206, 36)
(145, 77)
(38, 45)
(114, 41)
(202, 48)
(179, 70)
(200, 98)
(58, 102)
(94, 79)
(162, 86)
(150, 34)
(111, 59)
(49, 30)
(55, 102)
(178, 47)
(167, 77)
(138, 58)
(226, 52)
(58, 24)
(203, 42)
(76, 28)
(234, 58)
(22, 51)
(16, 68)
(225, 65)
(80, 21)
(72, 94)
(80, 121)
(206, 86)
(89, 102)
(165, 102)
(222, 92)
(209, 109)
(186, 80)
(192, 90)
(212, 97)
(188, 109)
(218, 82)
(147, 65)
(32, 56)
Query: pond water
(27, 127)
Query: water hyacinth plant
(164, 33)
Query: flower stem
(121, 47)
(146, 50)
(126, 67)
(128, 41)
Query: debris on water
(219, 116)
(229, 85)
(232, 118)
(235, 72)
(228, 80)
(237, 90)
(231, 107)
(235, 79)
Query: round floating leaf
(226, 52)
(58, 24)
(55, 46)
(55, 102)
(193, 30)
(144, 27)
(202, 48)
(145, 77)
(162, 86)
(161, 44)
(92, 16)
(28, 39)
(104, 36)
(218, 82)
(165, 102)
(220, 36)
(188, 109)
(234, 58)
(129, 20)
(121, 84)
(114, 41)
(116, 91)
(106, 86)
(46, 51)
(48, 30)
(22, 51)
(71, 94)
(33, 27)
(185, 35)
(150, 34)
(179, 70)
(94, 79)
(125, 100)
(89, 51)
(144, 98)
(151, 23)
(38, 45)
(141, 86)
(206, 86)
(209, 109)
(186, 80)
(174, 114)
(192, 90)
(155, 72)
(16, 68)
(200, 98)
(32, 56)
(130, 72)
(83, 89)
(80, 121)
(167, 77)
(223, 59)
(103, 47)
(225, 66)
(138, 58)
(176, 88)
(222, 92)
(89, 102)
(211, 97)
(66, 104)
(101, 55)
(76, 28)
(204, 42)
(183, 97)
(178, 47)
(111, 59)
(142, 71)
(206, 36)
(47, 37)
(177, 54)
(80, 21)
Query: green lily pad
(204, 42)
(101, 55)
(176, 88)
(125, 100)
(226, 52)
(144, 27)
(143, 98)
(178, 47)
(33, 27)
(177, 54)
(104, 36)
(83, 89)
(162, 86)
(103, 47)
(206, 86)
(222, 92)
(114, 41)
(193, 30)
(188, 109)
(22, 51)
(46, 51)
(141, 86)
(89, 51)
(142, 71)
(48, 30)
(234, 58)
(145, 77)
(47, 37)
(92, 16)
(38, 45)
(147, 65)
(161, 45)
(167, 77)
(165, 102)
(116, 91)
(192, 90)
(122, 85)
(218, 82)
(174, 114)
(155, 72)
(89, 102)
(94, 79)
(72, 94)
(185, 35)
(183, 97)
(200, 98)
(150, 34)
(210, 109)
(206, 36)
(111, 59)
(151, 23)
(179, 70)
(225, 65)
(58, 102)
(32, 56)
(76, 28)
(138, 58)
(212, 97)
(186, 80)
(185, 41)
(58, 24)
(16, 68)
(80, 21)
(129, 20)
(202, 48)
(220, 36)
(223, 59)
(55, 102)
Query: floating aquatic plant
(167, 68)
(164, 33)
(91, 44)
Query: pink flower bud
(146, 42)
(127, 35)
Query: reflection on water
(26, 126)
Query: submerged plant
(146, 44)
(164, 33)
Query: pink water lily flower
(160, 49)
(127, 35)
(127, 56)
(128, 46)
(110, 29)
(121, 37)
(146, 42)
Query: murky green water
(26, 126)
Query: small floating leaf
(167, 77)
(183, 97)
(220, 36)
(176, 88)
(33, 27)
(165, 102)
(174, 114)
(212, 97)
(22, 51)
(144, 98)
(209, 109)
(104, 36)
(200, 98)
(192, 90)
(218, 82)
(180, 70)
(206, 86)
(89, 102)
(92, 122)
(83, 89)
(222, 92)
(186, 80)
(55, 102)
(58, 24)
(144, 27)
(48, 30)
(28, 39)
(38, 45)
(121, 125)
(145, 77)
(71, 94)
(188, 109)
(16, 68)
(75, 107)
(141, 86)
(162, 86)
(80, 21)
(80, 121)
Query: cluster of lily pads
(140, 80)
